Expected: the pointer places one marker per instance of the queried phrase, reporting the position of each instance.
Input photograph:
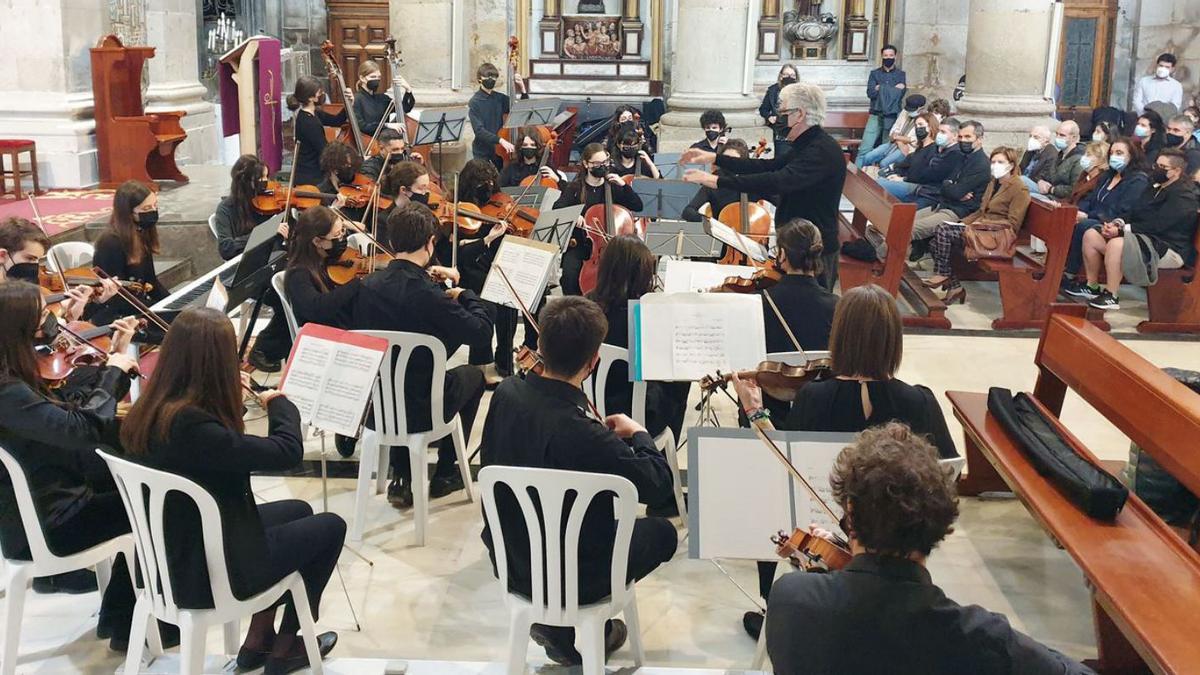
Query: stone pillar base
(681, 126)
(203, 144)
(1006, 119)
(61, 126)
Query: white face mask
(1098, 137)
(1000, 170)
(1162, 72)
(1033, 145)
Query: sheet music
(527, 264)
(684, 336)
(731, 237)
(330, 375)
(689, 276)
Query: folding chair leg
(367, 466)
(418, 454)
(760, 651)
(233, 634)
(589, 638)
(137, 636)
(635, 629)
(308, 629)
(15, 590)
(518, 641)
(460, 448)
(192, 636)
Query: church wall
(1147, 28)
(933, 44)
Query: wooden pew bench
(847, 128)
(1174, 302)
(891, 222)
(1144, 579)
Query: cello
(602, 222)
(749, 220)
(537, 178)
(354, 132)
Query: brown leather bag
(984, 240)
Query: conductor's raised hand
(697, 156)
(700, 177)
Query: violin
(353, 264)
(472, 218)
(79, 344)
(529, 360)
(520, 219)
(779, 380)
(749, 220)
(274, 198)
(358, 193)
(765, 277)
(810, 552)
(82, 276)
(601, 221)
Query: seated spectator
(1039, 160)
(1150, 133)
(1004, 202)
(1160, 86)
(1092, 166)
(1193, 113)
(1103, 132)
(901, 129)
(1180, 134)
(1166, 213)
(924, 165)
(959, 194)
(1118, 189)
(1066, 168)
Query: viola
(358, 193)
(520, 219)
(601, 222)
(810, 552)
(751, 221)
(353, 264)
(765, 277)
(759, 150)
(529, 360)
(780, 380)
(274, 198)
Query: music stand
(681, 239)
(554, 226)
(532, 112)
(252, 279)
(436, 126)
(537, 197)
(664, 198)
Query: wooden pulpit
(251, 84)
(130, 144)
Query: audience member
(768, 110)
(889, 152)
(921, 166)
(1039, 160)
(957, 195)
(1150, 133)
(885, 89)
(1103, 132)
(1180, 134)
(1092, 166)
(1159, 87)
(1066, 168)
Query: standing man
(885, 88)
(1159, 87)
(487, 110)
(807, 179)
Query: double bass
(350, 135)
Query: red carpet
(62, 210)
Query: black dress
(310, 133)
(110, 256)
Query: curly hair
(478, 181)
(337, 156)
(897, 498)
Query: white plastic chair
(70, 254)
(212, 226)
(43, 563)
(360, 242)
(277, 282)
(595, 387)
(548, 606)
(391, 428)
(157, 601)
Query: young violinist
(632, 157)
(126, 248)
(627, 117)
(865, 346)
(55, 442)
(392, 149)
(588, 189)
(23, 248)
(407, 296)
(528, 162)
(543, 421)
(372, 100)
(716, 131)
(882, 612)
(406, 182)
(339, 165)
(310, 123)
(487, 111)
(718, 198)
(188, 422)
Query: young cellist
(529, 156)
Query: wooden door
(1085, 56)
(358, 29)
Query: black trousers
(464, 389)
(829, 267)
(572, 264)
(300, 541)
(1075, 253)
(506, 327)
(275, 340)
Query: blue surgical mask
(1060, 143)
(1141, 132)
(941, 139)
(1117, 162)
(1085, 162)
(1196, 135)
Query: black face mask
(598, 171)
(529, 153)
(260, 185)
(27, 271)
(484, 192)
(488, 82)
(712, 135)
(420, 198)
(922, 133)
(147, 219)
(629, 153)
(345, 175)
(966, 146)
(786, 81)
(373, 85)
(888, 63)
(1173, 140)
(1158, 176)
(337, 248)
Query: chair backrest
(38, 550)
(70, 254)
(212, 226)
(277, 282)
(360, 242)
(144, 491)
(555, 599)
(797, 358)
(594, 386)
(387, 396)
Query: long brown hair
(867, 338)
(137, 243)
(626, 273)
(304, 257)
(198, 368)
(243, 186)
(21, 307)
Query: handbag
(989, 241)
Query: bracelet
(758, 414)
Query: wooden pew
(1145, 580)
(1029, 282)
(891, 222)
(847, 127)
(1174, 302)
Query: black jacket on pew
(1168, 217)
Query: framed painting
(591, 37)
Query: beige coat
(1007, 205)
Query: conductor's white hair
(807, 97)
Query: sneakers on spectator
(1105, 301)
(1079, 289)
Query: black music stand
(436, 126)
(681, 239)
(670, 168)
(533, 197)
(554, 226)
(532, 112)
(260, 261)
(663, 198)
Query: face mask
(420, 198)
(786, 81)
(373, 85)
(629, 153)
(27, 271)
(1141, 132)
(1085, 162)
(598, 171)
(1158, 176)
(1001, 170)
(966, 146)
(1033, 145)
(529, 153)
(888, 63)
(1098, 137)
(260, 185)
(1173, 140)
(1196, 135)
(922, 133)
(1060, 143)
(1162, 72)
(345, 175)
(147, 219)
(337, 247)
(941, 140)
(1117, 162)
(488, 82)
(914, 113)
(712, 135)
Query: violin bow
(134, 301)
(375, 136)
(794, 471)
(786, 327)
(375, 194)
(287, 203)
(454, 225)
(37, 216)
(88, 343)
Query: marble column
(175, 78)
(1008, 44)
(714, 47)
(433, 38)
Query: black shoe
(71, 583)
(249, 659)
(262, 363)
(753, 623)
(1078, 289)
(615, 633)
(345, 445)
(168, 633)
(325, 644)
(440, 486)
(1105, 301)
(562, 654)
(399, 494)
(920, 247)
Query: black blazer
(199, 448)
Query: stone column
(708, 71)
(433, 39)
(1008, 44)
(175, 78)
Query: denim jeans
(875, 155)
(877, 129)
(1031, 184)
(902, 190)
(1075, 254)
